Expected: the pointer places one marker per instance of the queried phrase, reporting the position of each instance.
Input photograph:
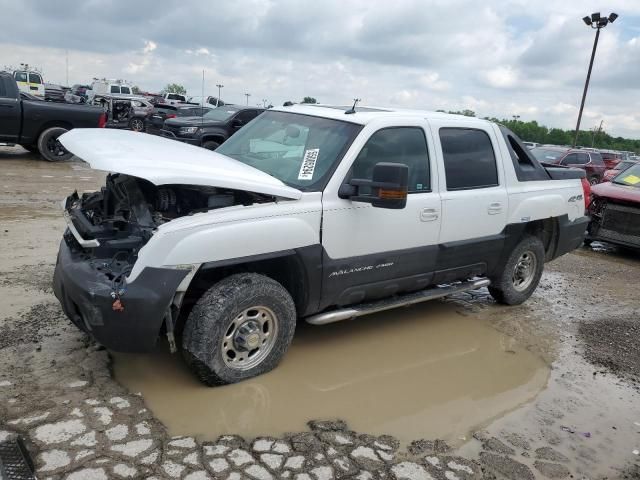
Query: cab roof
(366, 114)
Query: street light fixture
(220, 86)
(247, 95)
(595, 21)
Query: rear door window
(35, 78)
(469, 159)
(115, 89)
(125, 90)
(596, 158)
(575, 159)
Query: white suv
(308, 212)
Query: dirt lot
(461, 388)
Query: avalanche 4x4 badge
(365, 268)
(308, 164)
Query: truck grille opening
(620, 223)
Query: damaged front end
(615, 221)
(106, 231)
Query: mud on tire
(504, 287)
(213, 317)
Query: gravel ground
(58, 392)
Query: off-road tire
(502, 287)
(210, 145)
(50, 135)
(594, 181)
(212, 314)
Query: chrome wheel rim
(524, 271)
(249, 338)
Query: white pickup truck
(308, 212)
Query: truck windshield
(547, 155)
(300, 150)
(629, 177)
(220, 114)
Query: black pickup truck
(36, 124)
(211, 129)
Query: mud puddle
(425, 371)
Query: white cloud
(497, 57)
(502, 77)
(149, 46)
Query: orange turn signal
(392, 194)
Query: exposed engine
(124, 214)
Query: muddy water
(425, 371)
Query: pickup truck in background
(36, 124)
(308, 212)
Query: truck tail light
(586, 189)
(102, 122)
(171, 115)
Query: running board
(393, 302)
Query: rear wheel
(210, 144)
(136, 124)
(594, 181)
(49, 146)
(240, 328)
(521, 273)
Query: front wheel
(594, 181)
(210, 145)
(49, 146)
(521, 273)
(240, 328)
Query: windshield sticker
(308, 164)
(631, 179)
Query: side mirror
(389, 186)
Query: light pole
(219, 85)
(247, 95)
(597, 22)
(516, 117)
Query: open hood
(163, 161)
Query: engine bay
(123, 215)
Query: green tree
(465, 112)
(135, 89)
(175, 88)
(309, 100)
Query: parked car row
(209, 130)
(589, 161)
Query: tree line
(533, 132)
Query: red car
(589, 161)
(615, 209)
(611, 159)
(620, 167)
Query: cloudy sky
(497, 57)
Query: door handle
(429, 214)
(494, 208)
